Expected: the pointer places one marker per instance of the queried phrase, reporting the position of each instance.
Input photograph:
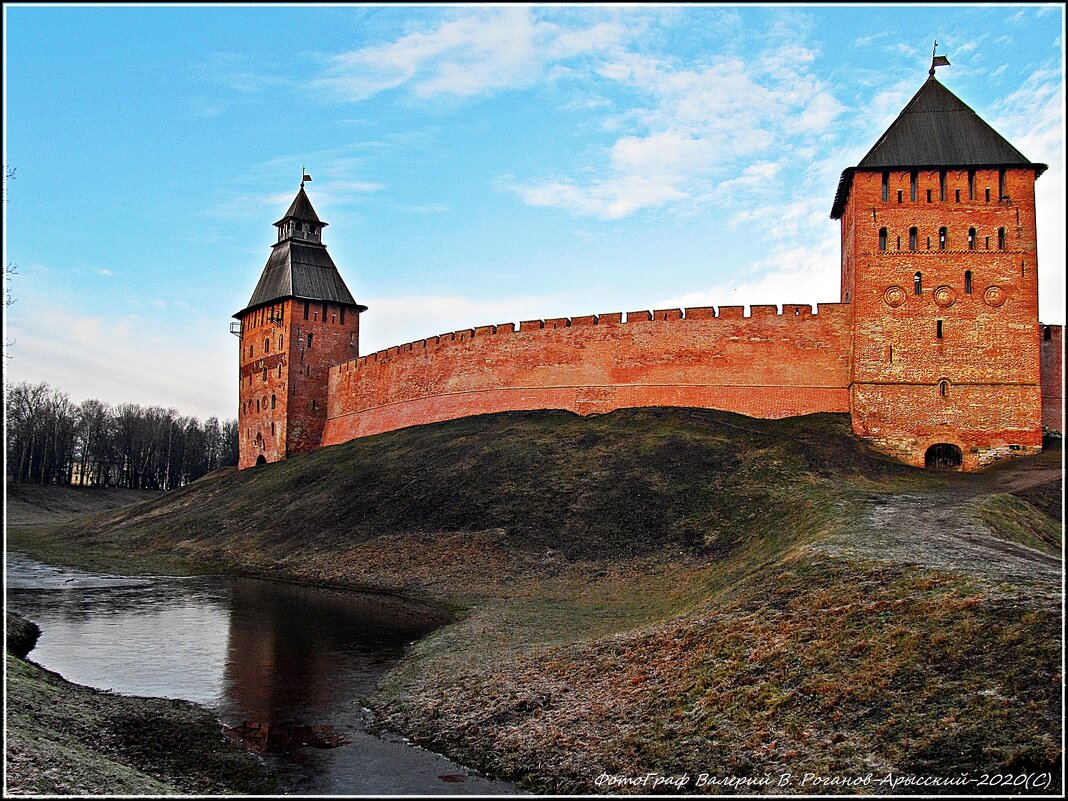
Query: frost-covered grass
(63, 738)
(663, 590)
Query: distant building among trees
(51, 440)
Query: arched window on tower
(267, 345)
(250, 351)
(943, 236)
(943, 388)
(967, 282)
(265, 374)
(941, 184)
(882, 238)
(281, 339)
(886, 186)
(1001, 239)
(971, 239)
(917, 283)
(274, 401)
(914, 179)
(971, 184)
(1001, 185)
(913, 235)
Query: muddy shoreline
(64, 738)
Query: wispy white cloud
(692, 124)
(870, 39)
(468, 55)
(327, 194)
(1032, 118)
(798, 274)
(238, 71)
(408, 318)
(125, 359)
(105, 272)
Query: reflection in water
(289, 646)
(283, 666)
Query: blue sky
(477, 164)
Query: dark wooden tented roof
(301, 209)
(935, 130)
(300, 269)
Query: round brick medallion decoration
(894, 296)
(944, 296)
(994, 296)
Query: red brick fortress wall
(765, 365)
(1053, 379)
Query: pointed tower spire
(299, 265)
(936, 129)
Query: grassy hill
(669, 590)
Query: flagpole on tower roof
(937, 61)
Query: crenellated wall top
(757, 314)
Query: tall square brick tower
(939, 264)
(300, 320)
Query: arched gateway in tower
(300, 320)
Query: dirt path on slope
(941, 529)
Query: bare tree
(51, 440)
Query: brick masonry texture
(1053, 379)
(283, 399)
(765, 365)
(945, 312)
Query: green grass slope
(668, 590)
(630, 483)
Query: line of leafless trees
(51, 440)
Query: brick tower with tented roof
(939, 265)
(300, 320)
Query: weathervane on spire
(937, 61)
(305, 177)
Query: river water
(284, 665)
